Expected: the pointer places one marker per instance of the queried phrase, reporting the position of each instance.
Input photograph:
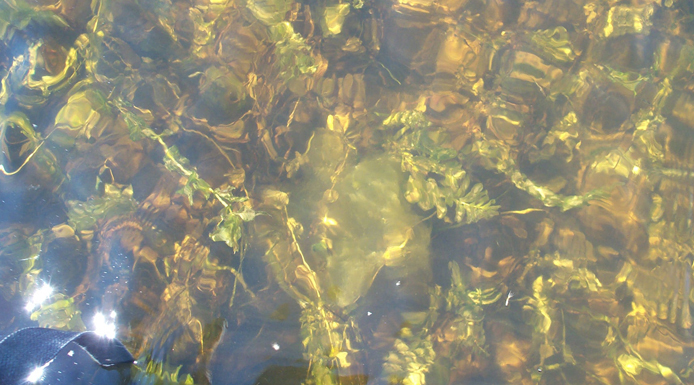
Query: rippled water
(368, 192)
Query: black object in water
(25, 350)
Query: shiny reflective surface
(383, 192)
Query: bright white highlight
(508, 298)
(36, 375)
(40, 296)
(276, 346)
(105, 327)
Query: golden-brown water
(368, 192)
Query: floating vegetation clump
(404, 192)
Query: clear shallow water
(357, 193)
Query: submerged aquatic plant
(537, 149)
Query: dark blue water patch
(111, 288)
(64, 263)
(29, 203)
(141, 31)
(261, 347)
(145, 180)
(66, 357)
(254, 271)
(82, 184)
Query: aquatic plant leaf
(230, 229)
(229, 226)
(295, 164)
(435, 180)
(194, 184)
(484, 297)
(542, 306)
(300, 159)
(137, 126)
(227, 196)
(148, 371)
(623, 19)
(409, 361)
(615, 162)
(194, 281)
(496, 155)
(408, 120)
(468, 307)
(203, 33)
(555, 44)
(19, 254)
(334, 18)
(275, 198)
(223, 98)
(629, 80)
(177, 163)
(268, 12)
(562, 140)
(474, 206)
(471, 203)
(83, 216)
(292, 54)
(81, 115)
(61, 313)
(645, 141)
(633, 366)
(17, 15)
(329, 345)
